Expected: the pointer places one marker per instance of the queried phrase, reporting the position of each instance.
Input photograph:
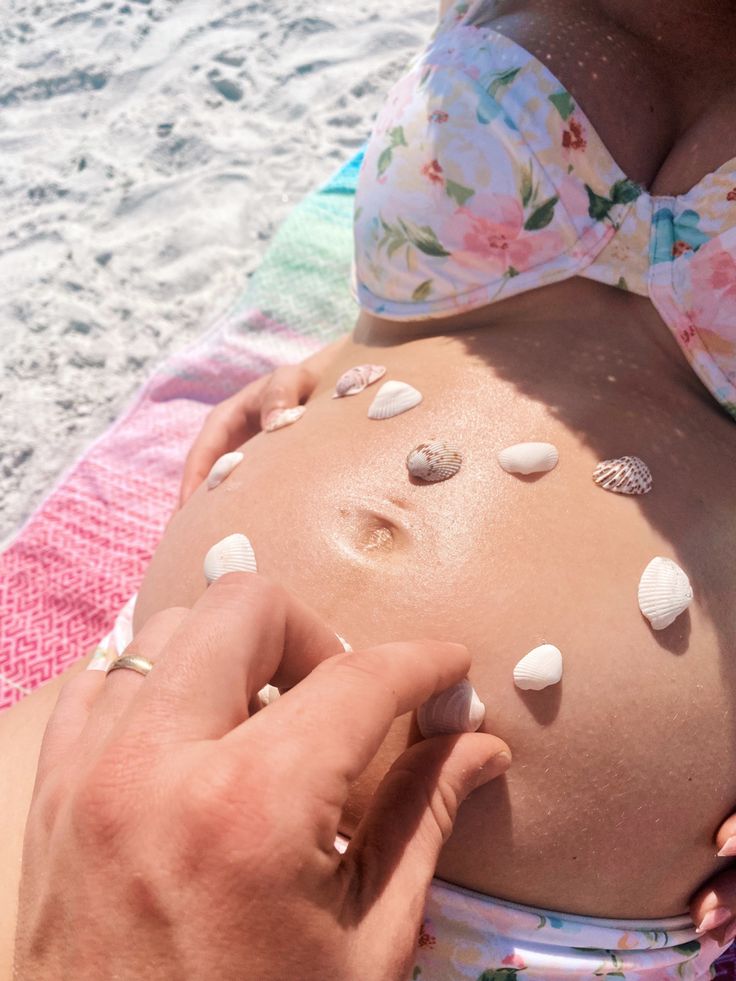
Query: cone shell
(279, 418)
(625, 475)
(356, 379)
(539, 668)
(393, 398)
(529, 458)
(223, 468)
(664, 592)
(434, 461)
(232, 554)
(456, 710)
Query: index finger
(340, 714)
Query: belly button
(376, 538)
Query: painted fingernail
(729, 849)
(222, 468)
(713, 918)
(278, 418)
(345, 646)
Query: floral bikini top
(484, 178)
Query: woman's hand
(233, 421)
(174, 834)
(713, 908)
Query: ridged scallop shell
(664, 592)
(393, 398)
(458, 709)
(356, 379)
(625, 475)
(279, 418)
(232, 554)
(222, 468)
(434, 461)
(539, 669)
(529, 458)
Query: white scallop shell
(223, 468)
(232, 554)
(529, 458)
(434, 461)
(458, 709)
(279, 418)
(392, 398)
(539, 669)
(625, 475)
(356, 379)
(664, 592)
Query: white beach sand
(148, 151)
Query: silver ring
(131, 662)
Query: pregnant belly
(623, 771)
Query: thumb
(397, 844)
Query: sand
(149, 149)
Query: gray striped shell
(434, 461)
(625, 475)
(458, 709)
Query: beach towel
(82, 554)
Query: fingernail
(278, 418)
(493, 767)
(345, 646)
(713, 918)
(729, 849)
(99, 660)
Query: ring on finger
(131, 662)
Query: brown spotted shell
(434, 461)
(625, 475)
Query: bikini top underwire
(484, 178)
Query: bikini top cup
(483, 178)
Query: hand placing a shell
(178, 831)
(713, 907)
(267, 403)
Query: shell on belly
(434, 461)
(232, 554)
(625, 475)
(354, 380)
(529, 458)
(664, 592)
(222, 468)
(278, 418)
(458, 709)
(393, 398)
(539, 669)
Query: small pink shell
(356, 379)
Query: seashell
(392, 398)
(268, 694)
(626, 475)
(356, 379)
(345, 646)
(529, 458)
(458, 709)
(222, 468)
(664, 592)
(278, 418)
(232, 554)
(434, 461)
(539, 668)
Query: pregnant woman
(545, 249)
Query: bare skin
(583, 821)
